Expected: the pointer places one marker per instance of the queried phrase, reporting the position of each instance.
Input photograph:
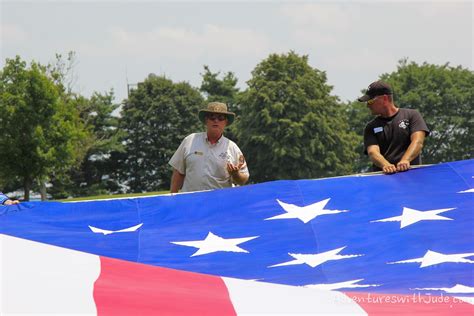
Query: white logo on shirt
(404, 124)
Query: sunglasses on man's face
(213, 117)
(371, 101)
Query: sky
(117, 43)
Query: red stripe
(396, 304)
(125, 288)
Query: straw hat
(218, 108)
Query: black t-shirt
(393, 134)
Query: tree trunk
(42, 185)
(26, 188)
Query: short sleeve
(369, 137)
(177, 161)
(417, 123)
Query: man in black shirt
(394, 139)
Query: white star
(467, 191)
(304, 213)
(411, 216)
(108, 232)
(340, 285)
(314, 260)
(431, 258)
(214, 243)
(458, 288)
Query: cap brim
(364, 98)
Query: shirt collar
(218, 141)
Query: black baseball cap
(376, 88)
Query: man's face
(376, 104)
(216, 123)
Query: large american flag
(407, 236)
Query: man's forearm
(177, 180)
(378, 160)
(413, 150)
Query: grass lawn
(116, 196)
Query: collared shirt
(204, 164)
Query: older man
(208, 160)
(394, 139)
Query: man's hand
(403, 165)
(234, 169)
(379, 160)
(389, 168)
(11, 202)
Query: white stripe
(256, 298)
(42, 279)
(467, 299)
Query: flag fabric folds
(41, 279)
(381, 240)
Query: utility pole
(129, 86)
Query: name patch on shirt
(378, 129)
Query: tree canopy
(291, 126)
(288, 125)
(220, 90)
(444, 95)
(96, 172)
(41, 134)
(156, 117)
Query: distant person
(209, 160)
(394, 139)
(5, 200)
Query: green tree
(61, 71)
(291, 127)
(220, 90)
(359, 115)
(40, 134)
(156, 117)
(444, 95)
(95, 174)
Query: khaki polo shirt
(204, 164)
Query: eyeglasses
(213, 117)
(371, 101)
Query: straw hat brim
(230, 115)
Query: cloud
(323, 16)
(182, 43)
(13, 33)
(372, 36)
